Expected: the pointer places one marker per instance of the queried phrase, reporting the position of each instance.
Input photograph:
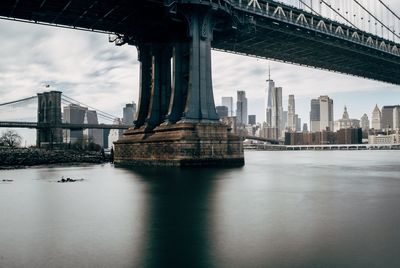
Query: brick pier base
(181, 144)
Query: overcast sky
(84, 66)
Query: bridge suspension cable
(17, 101)
(330, 7)
(373, 16)
(101, 113)
(396, 17)
(384, 25)
(389, 9)
(21, 109)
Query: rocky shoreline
(11, 158)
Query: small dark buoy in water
(68, 180)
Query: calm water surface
(283, 209)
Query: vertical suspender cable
(382, 24)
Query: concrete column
(144, 56)
(180, 82)
(200, 100)
(160, 85)
(165, 81)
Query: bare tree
(10, 138)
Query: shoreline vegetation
(15, 158)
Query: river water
(283, 209)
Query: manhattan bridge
(176, 114)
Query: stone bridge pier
(49, 113)
(176, 123)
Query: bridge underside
(293, 44)
(247, 33)
(127, 17)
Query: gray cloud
(81, 64)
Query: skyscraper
(268, 101)
(305, 127)
(291, 122)
(268, 98)
(106, 133)
(346, 122)
(365, 122)
(241, 107)
(252, 119)
(387, 121)
(396, 118)
(93, 135)
(326, 113)
(376, 118)
(284, 121)
(228, 102)
(274, 111)
(298, 123)
(129, 112)
(314, 115)
(222, 111)
(74, 114)
(277, 110)
(321, 114)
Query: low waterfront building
(250, 130)
(349, 136)
(384, 139)
(269, 132)
(344, 136)
(231, 122)
(310, 138)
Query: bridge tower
(49, 114)
(176, 122)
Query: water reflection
(179, 220)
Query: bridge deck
(11, 124)
(326, 147)
(255, 32)
(262, 33)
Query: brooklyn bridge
(176, 122)
(49, 120)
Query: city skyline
(90, 69)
